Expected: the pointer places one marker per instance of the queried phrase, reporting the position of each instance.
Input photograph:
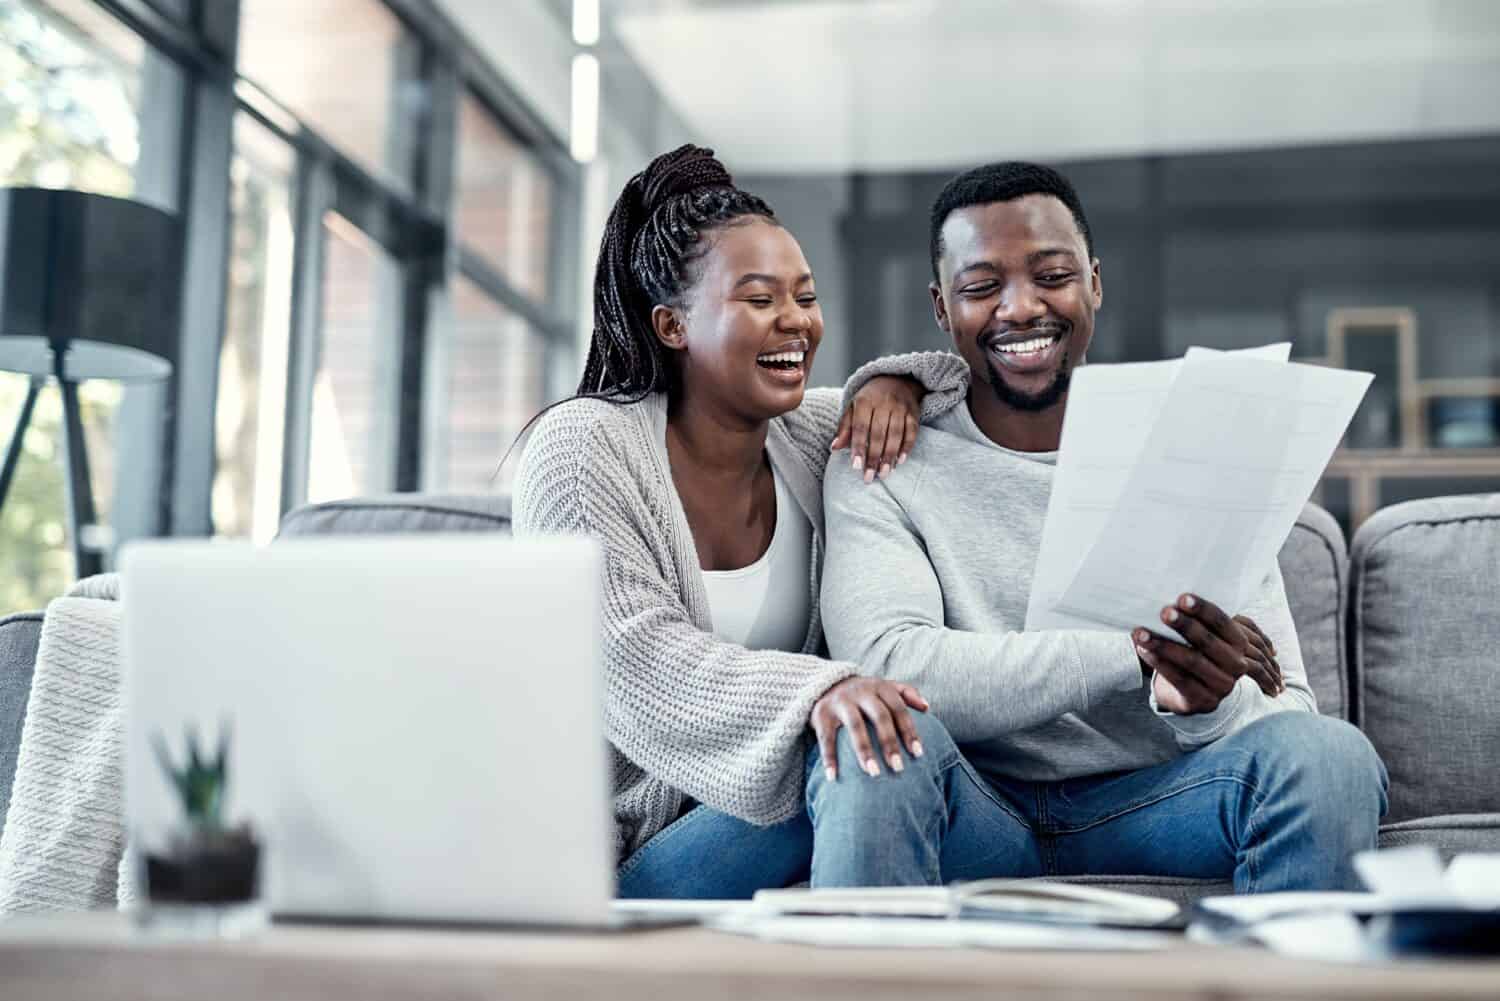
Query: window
(503, 201)
(74, 81)
(250, 416)
(495, 384)
(347, 68)
(337, 202)
(355, 393)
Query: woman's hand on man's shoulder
(880, 426)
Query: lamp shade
(95, 277)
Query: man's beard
(1030, 402)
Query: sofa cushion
(1426, 652)
(1180, 890)
(19, 636)
(1315, 565)
(1453, 835)
(400, 513)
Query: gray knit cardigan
(689, 717)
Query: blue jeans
(708, 855)
(1283, 804)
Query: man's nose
(1019, 304)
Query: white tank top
(766, 605)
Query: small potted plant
(205, 862)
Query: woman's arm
(878, 412)
(723, 724)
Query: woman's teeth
(1027, 347)
(782, 358)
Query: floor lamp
(89, 289)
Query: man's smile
(1028, 351)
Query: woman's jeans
(708, 855)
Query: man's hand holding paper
(1195, 676)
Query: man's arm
(883, 610)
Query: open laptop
(417, 728)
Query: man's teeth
(1026, 347)
(794, 357)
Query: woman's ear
(667, 323)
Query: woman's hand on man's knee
(859, 703)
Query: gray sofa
(1401, 637)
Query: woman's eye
(1053, 277)
(807, 300)
(760, 300)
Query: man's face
(1017, 290)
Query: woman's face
(749, 327)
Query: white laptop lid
(416, 721)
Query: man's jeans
(1281, 805)
(708, 855)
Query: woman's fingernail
(1141, 651)
(896, 764)
(900, 458)
(916, 748)
(833, 776)
(869, 476)
(858, 462)
(1188, 601)
(885, 470)
(871, 768)
(1170, 615)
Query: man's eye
(807, 300)
(982, 289)
(1053, 277)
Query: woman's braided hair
(652, 241)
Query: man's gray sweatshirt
(927, 580)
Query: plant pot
(205, 867)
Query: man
(1068, 751)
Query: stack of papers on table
(1182, 476)
(1415, 906)
(996, 913)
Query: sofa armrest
(1425, 620)
(19, 636)
(1314, 563)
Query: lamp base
(83, 530)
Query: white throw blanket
(64, 837)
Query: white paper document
(1182, 476)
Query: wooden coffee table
(99, 956)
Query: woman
(695, 456)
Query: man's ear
(667, 324)
(1098, 287)
(939, 310)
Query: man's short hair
(1003, 182)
